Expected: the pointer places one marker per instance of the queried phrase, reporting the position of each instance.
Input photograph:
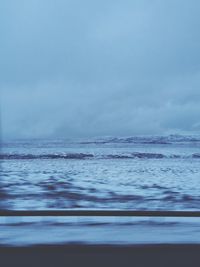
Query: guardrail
(99, 213)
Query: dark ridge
(157, 140)
(94, 142)
(176, 197)
(187, 197)
(67, 195)
(176, 156)
(170, 192)
(170, 198)
(82, 156)
(148, 155)
(92, 224)
(126, 141)
(46, 156)
(118, 156)
(196, 156)
(139, 155)
(122, 198)
(153, 186)
(3, 194)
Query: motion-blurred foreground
(135, 173)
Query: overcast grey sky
(74, 68)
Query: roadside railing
(98, 213)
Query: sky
(74, 68)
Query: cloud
(82, 68)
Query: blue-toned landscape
(100, 133)
(133, 173)
(160, 173)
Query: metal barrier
(99, 213)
